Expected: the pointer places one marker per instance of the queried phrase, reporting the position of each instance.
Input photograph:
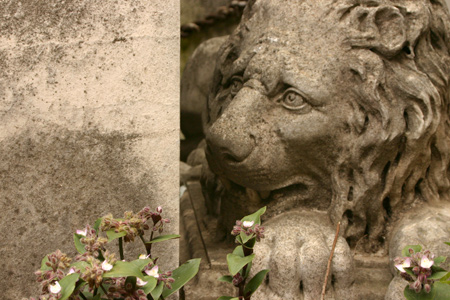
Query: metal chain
(235, 8)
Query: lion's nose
(229, 148)
(230, 137)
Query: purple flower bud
(421, 278)
(417, 286)
(427, 288)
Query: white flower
(106, 266)
(140, 282)
(54, 288)
(143, 256)
(425, 262)
(153, 272)
(71, 271)
(248, 224)
(159, 209)
(82, 232)
(405, 264)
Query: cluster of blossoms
(97, 260)
(93, 274)
(135, 224)
(120, 289)
(419, 264)
(248, 229)
(93, 244)
(49, 279)
(57, 261)
(153, 270)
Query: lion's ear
(380, 28)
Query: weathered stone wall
(88, 123)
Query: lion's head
(339, 105)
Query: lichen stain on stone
(44, 20)
(41, 17)
(70, 170)
(56, 180)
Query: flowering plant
(96, 274)
(421, 269)
(248, 231)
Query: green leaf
(226, 278)
(439, 260)
(97, 224)
(44, 267)
(141, 263)
(448, 243)
(445, 278)
(163, 238)
(97, 297)
(436, 269)
(256, 216)
(227, 298)
(124, 269)
(416, 248)
(236, 262)
(78, 244)
(239, 251)
(245, 238)
(254, 283)
(151, 284)
(437, 275)
(156, 293)
(182, 275)
(439, 291)
(68, 285)
(250, 244)
(112, 235)
(131, 280)
(247, 272)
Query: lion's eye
(236, 85)
(292, 100)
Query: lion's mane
(397, 152)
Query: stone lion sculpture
(334, 111)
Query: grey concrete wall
(88, 123)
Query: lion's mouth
(291, 190)
(288, 196)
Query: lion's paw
(296, 250)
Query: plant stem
(103, 288)
(95, 292)
(82, 296)
(241, 285)
(329, 261)
(121, 248)
(147, 246)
